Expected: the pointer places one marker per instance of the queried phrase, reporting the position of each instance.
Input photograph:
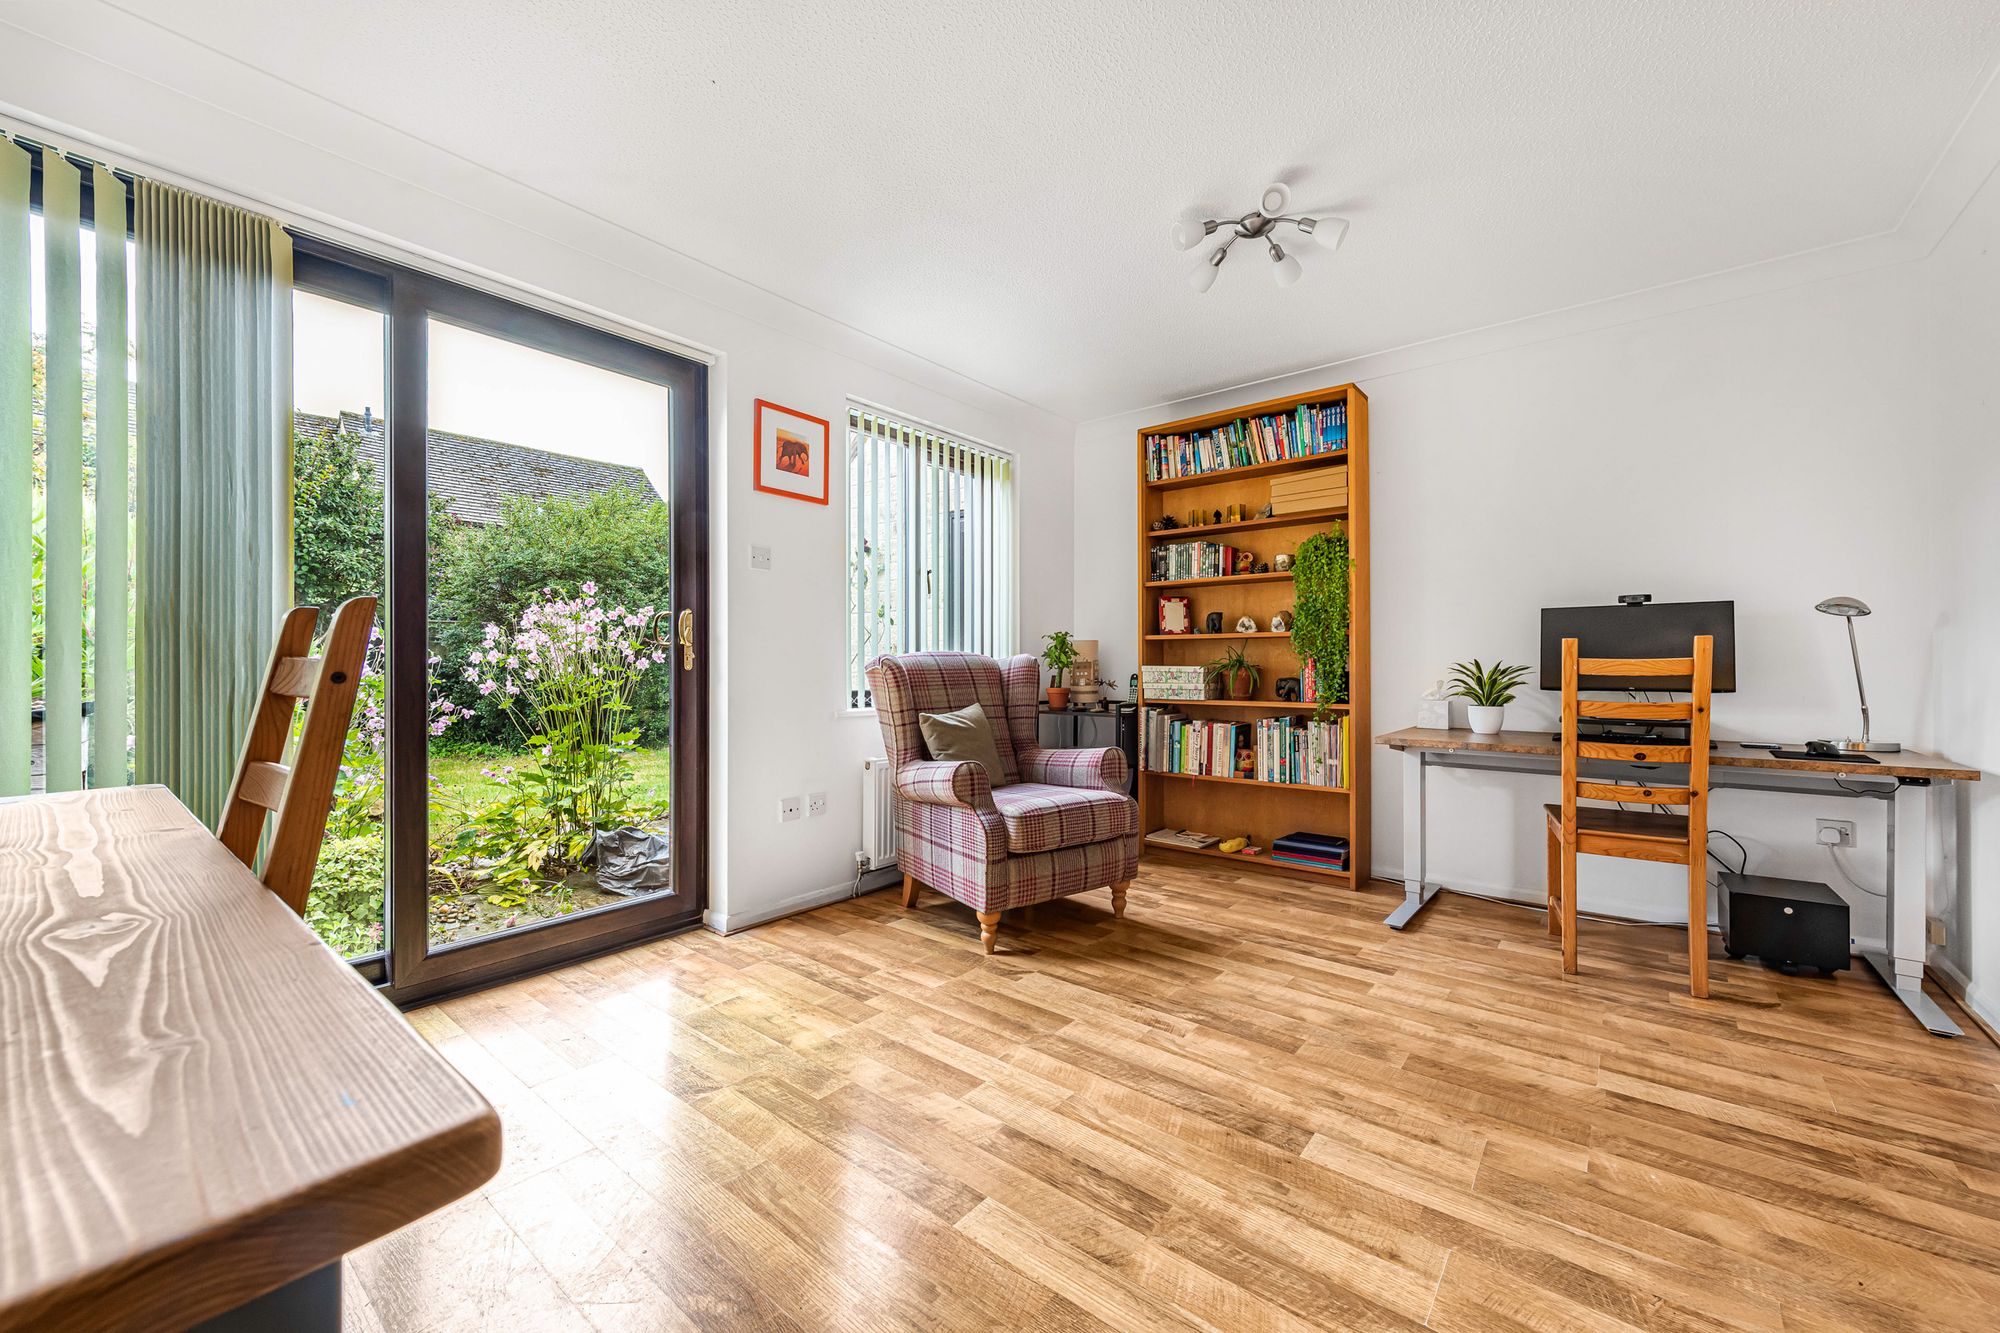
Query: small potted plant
(1487, 691)
(1061, 656)
(1237, 672)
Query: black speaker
(1784, 922)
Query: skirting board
(729, 923)
(1954, 984)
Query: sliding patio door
(536, 698)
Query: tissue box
(1434, 714)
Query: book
(1186, 839)
(1305, 431)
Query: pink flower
(589, 588)
(486, 687)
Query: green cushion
(963, 736)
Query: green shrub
(489, 576)
(344, 905)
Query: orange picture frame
(791, 451)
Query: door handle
(687, 639)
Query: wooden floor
(1247, 1106)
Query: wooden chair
(1638, 835)
(302, 794)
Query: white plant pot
(1485, 721)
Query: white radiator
(878, 813)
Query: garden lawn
(459, 776)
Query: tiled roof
(477, 476)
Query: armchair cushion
(1040, 818)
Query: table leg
(1416, 890)
(1901, 966)
(310, 1304)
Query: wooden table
(200, 1105)
(1907, 782)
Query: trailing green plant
(1230, 665)
(1321, 569)
(1061, 652)
(1486, 687)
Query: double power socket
(793, 807)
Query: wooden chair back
(299, 794)
(1698, 670)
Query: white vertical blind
(930, 536)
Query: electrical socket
(760, 557)
(789, 808)
(816, 804)
(1842, 831)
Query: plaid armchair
(1059, 823)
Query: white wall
(1963, 279)
(1775, 449)
(778, 674)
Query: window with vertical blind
(930, 544)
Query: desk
(1907, 783)
(204, 1107)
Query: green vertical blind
(930, 545)
(214, 328)
(17, 471)
(65, 508)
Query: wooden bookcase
(1227, 806)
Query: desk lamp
(1847, 608)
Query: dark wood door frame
(410, 970)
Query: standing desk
(1909, 783)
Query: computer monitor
(1651, 629)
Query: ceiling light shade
(1190, 232)
(1287, 270)
(1324, 233)
(1203, 278)
(1277, 198)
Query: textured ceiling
(989, 184)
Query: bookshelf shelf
(1218, 803)
(1222, 474)
(1285, 577)
(1260, 864)
(1207, 530)
(1271, 706)
(1217, 638)
(1251, 782)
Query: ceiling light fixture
(1263, 224)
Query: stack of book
(1312, 754)
(1317, 851)
(1323, 488)
(1300, 433)
(1288, 750)
(1192, 560)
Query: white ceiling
(989, 185)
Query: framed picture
(1175, 616)
(791, 453)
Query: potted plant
(1487, 691)
(1236, 672)
(1061, 656)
